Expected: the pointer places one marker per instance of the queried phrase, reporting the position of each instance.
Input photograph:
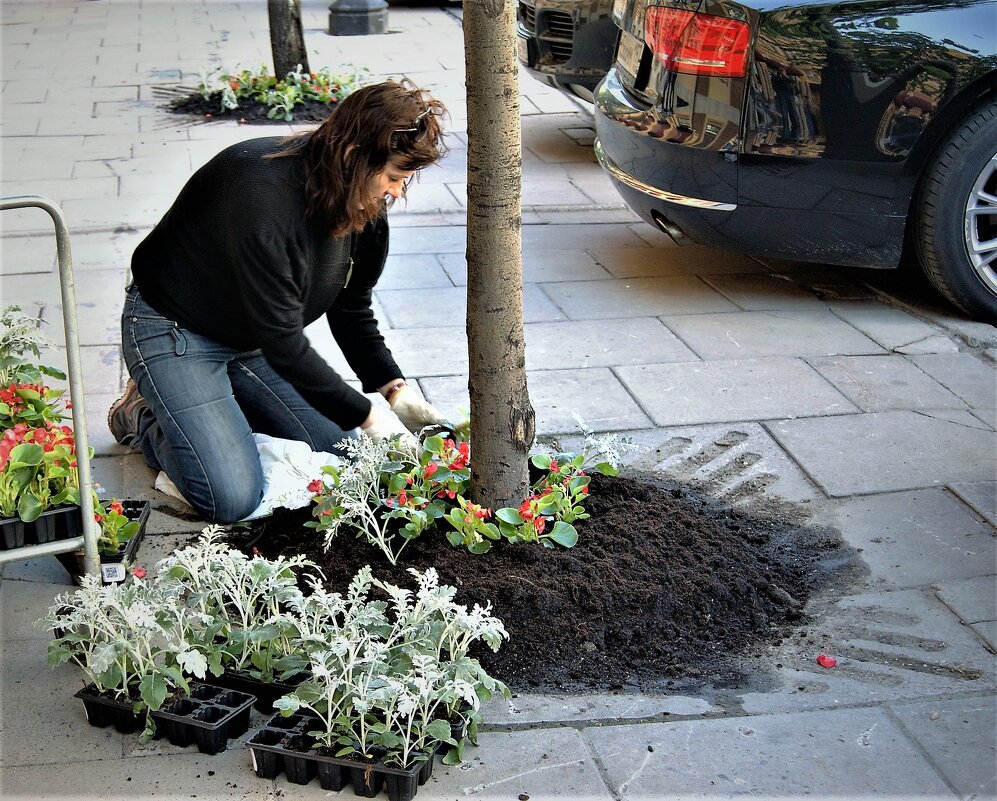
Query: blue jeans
(207, 400)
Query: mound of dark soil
(662, 585)
(249, 113)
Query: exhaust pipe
(670, 229)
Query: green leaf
(432, 445)
(542, 461)
(509, 515)
(57, 654)
(480, 547)
(29, 507)
(607, 469)
(439, 730)
(152, 688)
(563, 534)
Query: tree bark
(287, 39)
(502, 418)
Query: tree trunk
(502, 419)
(287, 40)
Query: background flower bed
(662, 585)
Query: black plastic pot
(11, 533)
(266, 692)
(209, 717)
(61, 523)
(273, 749)
(73, 562)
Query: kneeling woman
(263, 240)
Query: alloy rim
(981, 225)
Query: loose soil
(248, 113)
(662, 586)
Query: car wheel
(956, 220)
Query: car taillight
(700, 44)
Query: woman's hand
(379, 426)
(412, 410)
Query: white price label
(113, 572)
(252, 753)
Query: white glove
(386, 426)
(413, 411)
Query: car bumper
(698, 194)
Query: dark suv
(831, 132)
(566, 43)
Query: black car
(832, 132)
(567, 44)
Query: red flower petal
(826, 661)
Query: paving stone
(525, 708)
(666, 258)
(886, 451)
(959, 736)
(643, 297)
(898, 644)
(894, 329)
(766, 292)
(605, 406)
(911, 539)
(433, 351)
(973, 599)
(538, 266)
(23, 603)
(441, 239)
(878, 383)
(981, 496)
(729, 391)
(415, 308)
(745, 335)
(226, 775)
(855, 753)
(638, 340)
(740, 465)
(544, 764)
(575, 237)
(43, 724)
(972, 379)
(415, 271)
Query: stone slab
(855, 753)
(413, 271)
(627, 341)
(971, 378)
(753, 334)
(666, 258)
(878, 383)
(415, 308)
(738, 464)
(981, 496)
(42, 723)
(527, 708)
(604, 406)
(730, 391)
(899, 644)
(959, 737)
(887, 451)
(543, 764)
(974, 600)
(766, 292)
(642, 297)
(24, 602)
(538, 266)
(894, 328)
(911, 539)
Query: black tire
(969, 156)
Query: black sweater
(235, 260)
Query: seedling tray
(12, 533)
(272, 754)
(266, 692)
(209, 717)
(111, 568)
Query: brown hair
(385, 122)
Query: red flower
(431, 468)
(139, 572)
(826, 661)
(117, 507)
(539, 524)
(553, 466)
(316, 486)
(69, 405)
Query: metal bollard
(358, 17)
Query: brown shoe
(124, 414)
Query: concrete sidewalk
(853, 395)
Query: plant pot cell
(206, 692)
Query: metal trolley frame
(89, 538)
